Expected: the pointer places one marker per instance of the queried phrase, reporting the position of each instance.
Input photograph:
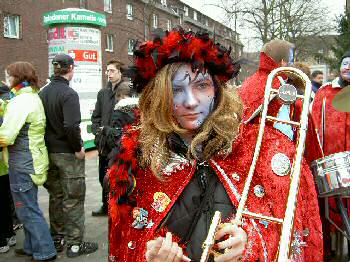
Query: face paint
(193, 97)
(345, 69)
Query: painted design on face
(193, 97)
(345, 69)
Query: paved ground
(95, 227)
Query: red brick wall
(32, 46)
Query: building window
(83, 4)
(129, 11)
(155, 21)
(12, 26)
(108, 6)
(181, 19)
(163, 2)
(195, 15)
(169, 25)
(206, 22)
(109, 43)
(186, 10)
(131, 43)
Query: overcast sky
(336, 8)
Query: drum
(332, 174)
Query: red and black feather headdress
(180, 46)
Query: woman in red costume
(189, 157)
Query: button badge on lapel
(160, 201)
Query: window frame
(163, 2)
(83, 4)
(195, 15)
(169, 24)
(186, 10)
(109, 43)
(155, 22)
(131, 43)
(129, 7)
(109, 8)
(17, 25)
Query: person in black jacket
(66, 176)
(101, 124)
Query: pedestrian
(190, 156)
(22, 131)
(7, 234)
(126, 112)
(333, 129)
(101, 125)
(274, 54)
(66, 180)
(316, 80)
(126, 109)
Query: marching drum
(332, 174)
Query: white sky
(336, 8)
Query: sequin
(236, 176)
(176, 163)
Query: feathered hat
(179, 46)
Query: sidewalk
(95, 227)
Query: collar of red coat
(267, 63)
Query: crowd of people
(173, 149)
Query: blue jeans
(37, 237)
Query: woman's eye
(177, 90)
(203, 85)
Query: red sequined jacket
(127, 243)
(252, 94)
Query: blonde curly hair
(157, 122)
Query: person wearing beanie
(276, 53)
(334, 133)
(188, 156)
(66, 180)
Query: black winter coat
(101, 117)
(62, 110)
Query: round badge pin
(280, 164)
(259, 191)
(287, 93)
(131, 244)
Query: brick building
(24, 38)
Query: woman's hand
(164, 250)
(234, 245)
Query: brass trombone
(288, 94)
